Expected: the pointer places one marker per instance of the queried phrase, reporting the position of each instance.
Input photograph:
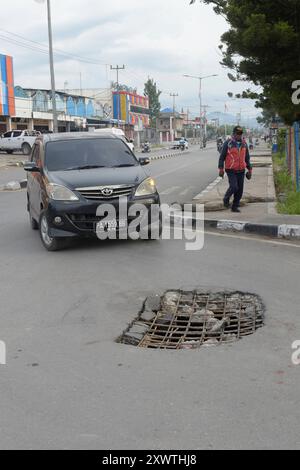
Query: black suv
(71, 175)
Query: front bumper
(80, 220)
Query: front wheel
(26, 149)
(50, 243)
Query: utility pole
(172, 127)
(225, 119)
(205, 106)
(174, 96)
(53, 90)
(200, 98)
(117, 68)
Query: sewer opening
(189, 320)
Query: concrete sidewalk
(258, 206)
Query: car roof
(64, 136)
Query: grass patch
(284, 186)
(291, 205)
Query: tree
(262, 46)
(152, 92)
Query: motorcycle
(146, 148)
(220, 145)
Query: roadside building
(131, 110)
(100, 107)
(7, 96)
(170, 125)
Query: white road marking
(209, 188)
(169, 190)
(174, 170)
(186, 191)
(243, 237)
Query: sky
(161, 39)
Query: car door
(5, 142)
(34, 184)
(16, 140)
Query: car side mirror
(31, 167)
(144, 161)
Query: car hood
(98, 177)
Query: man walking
(236, 158)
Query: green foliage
(291, 205)
(283, 181)
(262, 45)
(284, 185)
(153, 94)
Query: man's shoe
(235, 209)
(226, 203)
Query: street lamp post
(200, 98)
(51, 60)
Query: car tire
(33, 223)
(26, 149)
(9, 152)
(51, 244)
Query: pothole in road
(192, 319)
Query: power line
(35, 45)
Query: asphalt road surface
(68, 385)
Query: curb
(281, 231)
(13, 186)
(169, 155)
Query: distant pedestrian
(235, 157)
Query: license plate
(111, 225)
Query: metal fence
(292, 153)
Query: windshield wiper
(124, 165)
(86, 167)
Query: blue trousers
(236, 187)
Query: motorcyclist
(182, 143)
(219, 143)
(146, 147)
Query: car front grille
(103, 193)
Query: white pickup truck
(14, 141)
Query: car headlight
(60, 193)
(146, 187)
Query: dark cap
(238, 130)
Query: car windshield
(87, 154)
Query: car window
(35, 154)
(84, 153)
(17, 133)
(7, 134)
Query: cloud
(161, 39)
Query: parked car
(70, 175)
(180, 142)
(118, 133)
(14, 141)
